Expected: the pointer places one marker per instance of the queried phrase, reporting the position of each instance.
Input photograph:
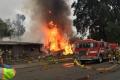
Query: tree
(4, 29)
(18, 25)
(97, 14)
(113, 32)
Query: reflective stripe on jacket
(7, 73)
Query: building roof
(18, 43)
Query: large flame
(56, 40)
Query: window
(87, 45)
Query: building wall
(14, 54)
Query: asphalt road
(67, 71)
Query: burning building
(57, 41)
(52, 20)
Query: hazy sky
(9, 7)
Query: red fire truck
(90, 49)
(113, 45)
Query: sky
(9, 7)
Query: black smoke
(54, 10)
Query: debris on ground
(85, 78)
(106, 69)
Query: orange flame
(57, 41)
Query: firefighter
(7, 72)
(118, 56)
(111, 55)
(114, 55)
(77, 63)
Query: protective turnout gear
(76, 62)
(7, 72)
(118, 56)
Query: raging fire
(56, 40)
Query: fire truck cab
(90, 49)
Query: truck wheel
(100, 59)
(82, 62)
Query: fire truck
(113, 46)
(90, 49)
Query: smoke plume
(43, 11)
